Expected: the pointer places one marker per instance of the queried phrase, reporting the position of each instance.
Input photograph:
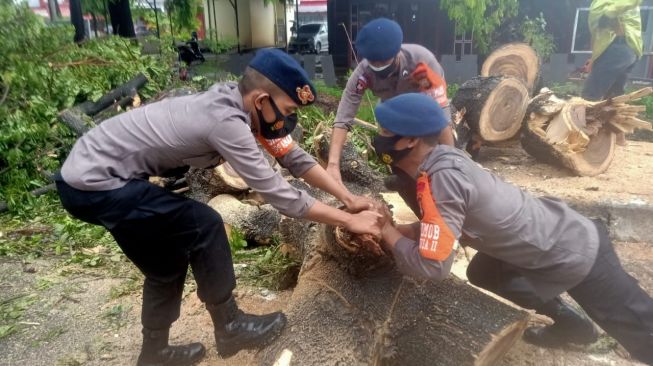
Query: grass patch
(117, 316)
(126, 287)
(12, 310)
(267, 266)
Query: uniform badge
(305, 94)
(361, 85)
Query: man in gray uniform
(104, 181)
(388, 68)
(530, 249)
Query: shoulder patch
(361, 84)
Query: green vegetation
(479, 17)
(41, 73)
(534, 33)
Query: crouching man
(104, 182)
(530, 250)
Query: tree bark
(77, 20)
(494, 106)
(355, 308)
(517, 60)
(259, 223)
(121, 18)
(352, 306)
(128, 89)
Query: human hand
(356, 204)
(365, 222)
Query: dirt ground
(628, 179)
(69, 315)
(70, 318)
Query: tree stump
(578, 134)
(494, 106)
(517, 60)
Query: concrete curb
(627, 221)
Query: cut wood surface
(579, 134)
(256, 223)
(517, 60)
(494, 106)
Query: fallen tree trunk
(578, 134)
(78, 117)
(517, 60)
(494, 106)
(259, 223)
(353, 307)
(128, 89)
(353, 167)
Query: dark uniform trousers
(610, 71)
(161, 233)
(609, 295)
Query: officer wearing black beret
(530, 249)
(104, 181)
(388, 68)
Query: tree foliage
(43, 72)
(184, 14)
(481, 17)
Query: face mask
(282, 125)
(385, 71)
(385, 149)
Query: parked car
(310, 38)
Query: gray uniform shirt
(364, 78)
(554, 246)
(200, 130)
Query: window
(462, 45)
(582, 39)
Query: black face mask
(385, 149)
(387, 72)
(282, 125)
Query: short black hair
(253, 80)
(431, 140)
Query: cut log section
(579, 134)
(494, 106)
(517, 60)
(256, 223)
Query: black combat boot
(157, 352)
(571, 326)
(235, 330)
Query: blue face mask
(385, 149)
(282, 125)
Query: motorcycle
(188, 53)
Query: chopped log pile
(579, 134)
